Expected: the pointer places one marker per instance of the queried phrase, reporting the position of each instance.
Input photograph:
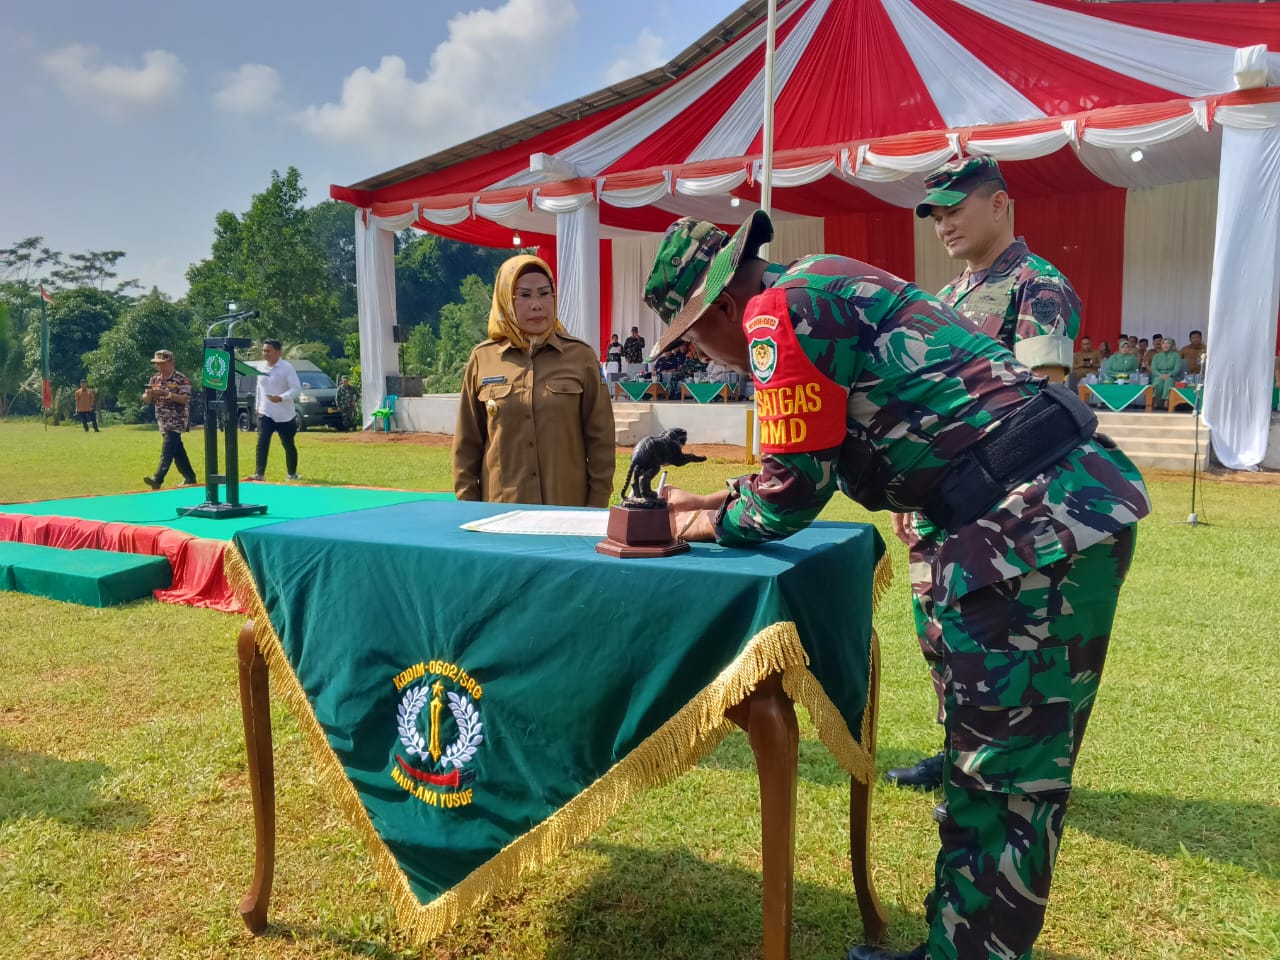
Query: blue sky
(130, 124)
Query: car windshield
(315, 381)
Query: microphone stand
(1193, 519)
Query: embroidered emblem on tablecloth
(440, 731)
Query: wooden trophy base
(636, 532)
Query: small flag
(47, 389)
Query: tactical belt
(1039, 434)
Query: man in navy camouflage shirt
(868, 385)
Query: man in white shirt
(277, 389)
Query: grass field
(126, 830)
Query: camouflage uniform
(1017, 299)
(1017, 605)
(173, 420)
(346, 399)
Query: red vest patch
(800, 410)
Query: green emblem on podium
(216, 365)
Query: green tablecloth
(706, 392)
(636, 389)
(1188, 394)
(1117, 396)
(479, 701)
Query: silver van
(316, 406)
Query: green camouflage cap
(695, 262)
(954, 181)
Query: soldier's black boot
(925, 775)
(866, 951)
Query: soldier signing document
(872, 387)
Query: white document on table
(557, 523)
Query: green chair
(386, 412)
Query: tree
(121, 365)
(462, 326)
(333, 225)
(430, 270)
(218, 280)
(285, 276)
(11, 360)
(77, 320)
(91, 269)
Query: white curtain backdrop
(632, 258)
(1246, 294)
(578, 272)
(376, 305)
(795, 238)
(1168, 259)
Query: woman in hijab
(1165, 365)
(535, 424)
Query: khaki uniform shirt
(85, 400)
(1085, 362)
(1191, 357)
(534, 429)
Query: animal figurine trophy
(641, 526)
(651, 455)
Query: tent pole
(766, 174)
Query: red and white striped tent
(1111, 121)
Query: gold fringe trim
(881, 580)
(672, 750)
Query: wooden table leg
(769, 719)
(875, 922)
(255, 708)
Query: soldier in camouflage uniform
(170, 391)
(346, 403)
(1010, 294)
(868, 385)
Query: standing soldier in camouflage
(170, 391)
(868, 385)
(346, 403)
(1012, 296)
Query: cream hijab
(502, 315)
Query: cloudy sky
(130, 124)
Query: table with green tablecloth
(1188, 395)
(707, 392)
(637, 390)
(1116, 396)
(478, 701)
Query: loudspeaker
(404, 386)
(400, 334)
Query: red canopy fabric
(851, 73)
(1077, 101)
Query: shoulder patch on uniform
(1044, 309)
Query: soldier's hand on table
(902, 527)
(695, 525)
(684, 501)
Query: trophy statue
(643, 524)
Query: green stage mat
(92, 578)
(160, 509)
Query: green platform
(92, 578)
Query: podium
(218, 376)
